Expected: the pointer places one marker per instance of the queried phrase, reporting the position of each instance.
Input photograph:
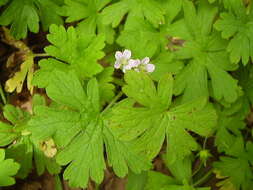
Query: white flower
(122, 58)
(148, 66)
(144, 65)
(132, 63)
(124, 61)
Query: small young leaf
(81, 52)
(239, 31)
(8, 168)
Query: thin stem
(41, 55)
(203, 179)
(198, 169)
(2, 94)
(96, 186)
(112, 102)
(204, 144)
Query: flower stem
(204, 144)
(2, 94)
(96, 186)
(41, 55)
(198, 169)
(112, 102)
(203, 179)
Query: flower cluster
(124, 62)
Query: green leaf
(225, 184)
(148, 37)
(22, 152)
(25, 15)
(239, 160)
(8, 168)
(48, 12)
(122, 155)
(245, 75)
(148, 9)
(236, 25)
(228, 127)
(8, 132)
(180, 169)
(153, 118)
(106, 88)
(93, 94)
(15, 115)
(65, 122)
(38, 100)
(58, 184)
(139, 34)
(80, 52)
(43, 162)
(80, 124)
(21, 147)
(172, 8)
(3, 2)
(184, 187)
(74, 95)
(142, 88)
(195, 116)
(22, 16)
(5, 136)
(136, 181)
(159, 181)
(44, 75)
(205, 54)
(164, 63)
(88, 13)
(87, 161)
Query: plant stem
(198, 169)
(204, 144)
(2, 94)
(96, 186)
(204, 178)
(41, 55)
(112, 102)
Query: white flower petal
(127, 54)
(118, 55)
(134, 62)
(150, 68)
(127, 67)
(117, 65)
(145, 60)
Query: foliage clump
(120, 85)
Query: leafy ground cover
(126, 94)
